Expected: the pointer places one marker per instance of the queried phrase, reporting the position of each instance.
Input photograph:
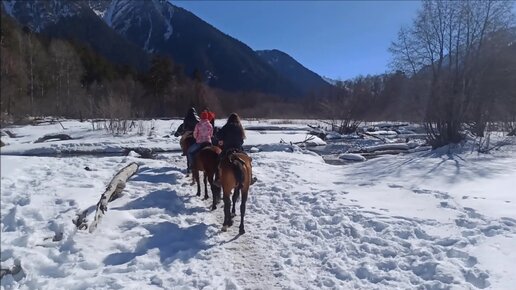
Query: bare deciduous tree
(445, 43)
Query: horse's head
(180, 130)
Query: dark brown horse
(235, 174)
(206, 161)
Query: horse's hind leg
(227, 212)
(195, 178)
(215, 191)
(205, 178)
(242, 212)
(235, 199)
(187, 165)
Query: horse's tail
(238, 169)
(180, 130)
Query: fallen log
(147, 153)
(113, 190)
(371, 135)
(55, 136)
(9, 133)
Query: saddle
(230, 153)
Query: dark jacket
(190, 120)
(231, 135)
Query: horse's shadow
(168, 200)
(159, 175)
(172, 242)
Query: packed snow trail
(413, 221)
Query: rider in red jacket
(203, 132)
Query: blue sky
(337, 39)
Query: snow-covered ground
(425, 220)
(156, 135)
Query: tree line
(460, 56)
(454, 68)
(42, 76)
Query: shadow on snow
(172, 242)
(168, 200)
(158, 175)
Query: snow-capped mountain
(157, 26)
(330, 80)
(127, 31)
(38, 14)
(145, 23)
(75, 20)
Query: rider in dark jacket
(191, 119)
(231, 137)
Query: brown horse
(235, 173)
(206, 161)
(187, 140)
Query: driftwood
(9, 133)
(39, 121)
(55, 136)
(512, 133)
(318, 132)
(113, 190)
(307, 139)
(374, 136)
(147, 153)
(346, 126)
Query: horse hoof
(241, 231)
(213, 208)
(198, 194)
(224, 228)
(233, 215)
(230, 223)
(205, 197)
